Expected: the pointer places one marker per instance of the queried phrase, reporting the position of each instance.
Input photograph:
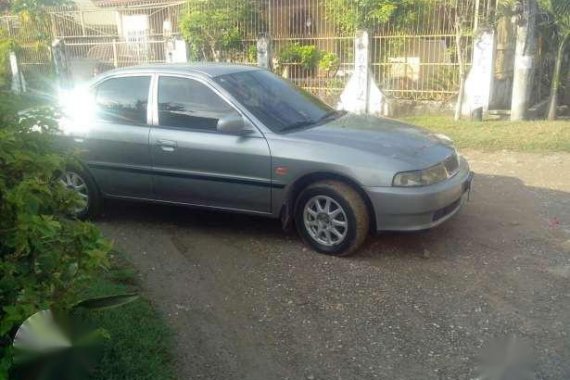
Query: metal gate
(413, 50)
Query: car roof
(204, 69)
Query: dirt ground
(247, 301)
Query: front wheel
(332, 218)
(83, 185)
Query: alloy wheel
(74, 182)
(325, 220)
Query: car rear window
(123, 100)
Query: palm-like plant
(560, 12)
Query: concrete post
(18, 83)
(115, 59)
(264, 51)
(361, 94)
(362, 67)
(82, 19)
(60, 64)
(479, 82)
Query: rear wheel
(83, 185)
(332, 218)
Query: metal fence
(413, 45)
(416, 55)
(32, 46)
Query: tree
(35, 28)
(34, 14)
(213, 27)
(460, 25)
(350, 15)
(560, 12)
(526, 12)
(46, 258)
(4, 6)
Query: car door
(115, 143)
(195, 164)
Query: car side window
(189, 104)
(123, 100)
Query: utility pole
(524, 58)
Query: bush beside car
(46, 258)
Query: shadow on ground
(249, 301)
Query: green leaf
(108, 302)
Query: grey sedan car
(241, 139)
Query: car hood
(382, 137)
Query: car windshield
(279, 104)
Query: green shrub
(252, 53)
(214, 28)
(46, 259)
(329, 62)
(308, 56)
(5, 73)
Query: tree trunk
(461, 63)
(460, 96)
(524, 61)
(553, 104)
(567, 87)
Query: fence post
(476, 15)
(361, 94)
(82, 23)
(264, 51)
(479, 82)
(18, 83)
(115, 61)
(362, 66)
(61, 64)
(53, 24)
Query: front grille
(451, 164)
(442, 212)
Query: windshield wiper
(305, 123)
(330, 116)
(299, 124)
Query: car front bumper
(419, 208)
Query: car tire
(79, 180)
(327, 205)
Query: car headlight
(429, 176)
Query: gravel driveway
(247, 301)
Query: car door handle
(167, 145)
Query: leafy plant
(5, 47)
(329, 62)
(308, 56)
(559, 11)
(46, 258)
(213, 27)
(55, 345)
(34, 31)
(252, 53)
(350, 15)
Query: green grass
(140, 340)
(526, 136)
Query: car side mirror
(233, 124)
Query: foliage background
(214, 29)
(46, 258)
